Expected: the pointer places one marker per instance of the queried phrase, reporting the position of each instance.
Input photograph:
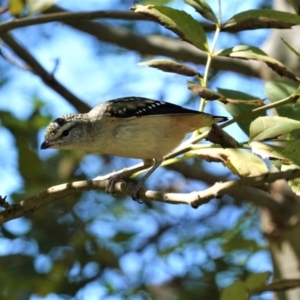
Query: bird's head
(66, 132)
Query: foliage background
(90, 245)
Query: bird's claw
(135, 192)
(111, 184)
(116, 178)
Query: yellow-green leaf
(177, 21)
(264, 128)
(240, 162)
(35, 6)
(254, 53)
(16, 7)
(170, 66)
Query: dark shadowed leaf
(254, 53)
(170, 66)
(261, 18)
(203, 8)
(177, 21)
(240, 244)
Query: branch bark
(246, 186)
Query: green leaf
(170, 66)
(238, 161)
(277, 90)
(203, 8)
(122, 237)
(264, 128)
(177, 21)
(269, 151)
(254, 53)
(292, 150)
(236, 290)
(256, 281)
(240, 244)
(261, 18)
(289, 158)
(240, 109)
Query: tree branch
(64, 15)
(195, 199)
(155, 45)
(279, 286)
(39, 70)
(68, 15)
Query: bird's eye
(65, 132)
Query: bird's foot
(111, 184)
(117, 178)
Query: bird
(133, 127)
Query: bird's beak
(45, 145)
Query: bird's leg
(117, 176)
(141, 182)
(129, 171)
